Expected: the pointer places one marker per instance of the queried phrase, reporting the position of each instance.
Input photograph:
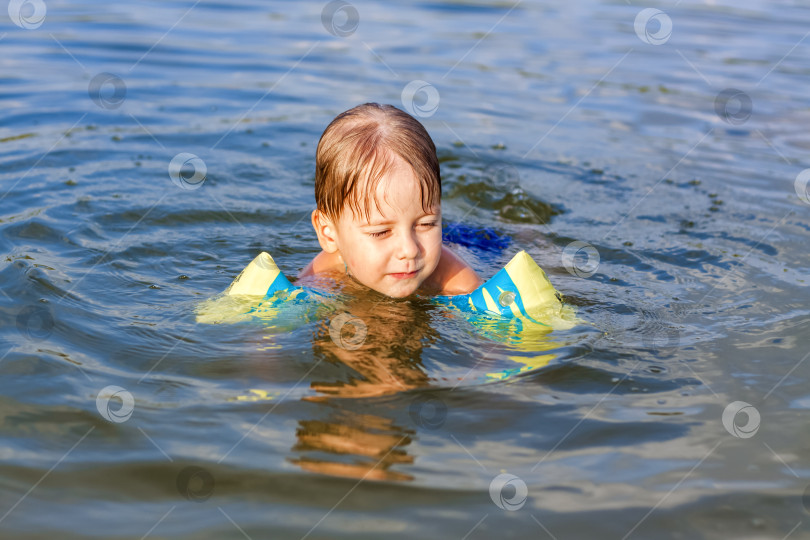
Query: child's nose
(408, 247)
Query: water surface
(554, 124)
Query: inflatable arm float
(519, 291)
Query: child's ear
(326, 231)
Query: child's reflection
(376, 344)
(376, 442)
(388, 358)
(379, 338)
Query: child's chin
(402, 291)
(399, 294)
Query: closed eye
(380, 234)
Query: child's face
(403, 239)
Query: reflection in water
(379, 340)
(523, 341)
(376, 443)
(376, 342)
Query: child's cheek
(436, 241)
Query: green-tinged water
(655, 171)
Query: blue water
(557, 125)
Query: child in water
(380, 153)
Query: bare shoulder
(454, 275)
(323, 262)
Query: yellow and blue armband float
(517, 307)
(520, 292)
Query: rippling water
(678, 409)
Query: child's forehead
(381, 210)
(395, 192)
(378, 208)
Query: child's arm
(454, 276)
(322, 262)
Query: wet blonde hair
(360, 146)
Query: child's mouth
(404, 276)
